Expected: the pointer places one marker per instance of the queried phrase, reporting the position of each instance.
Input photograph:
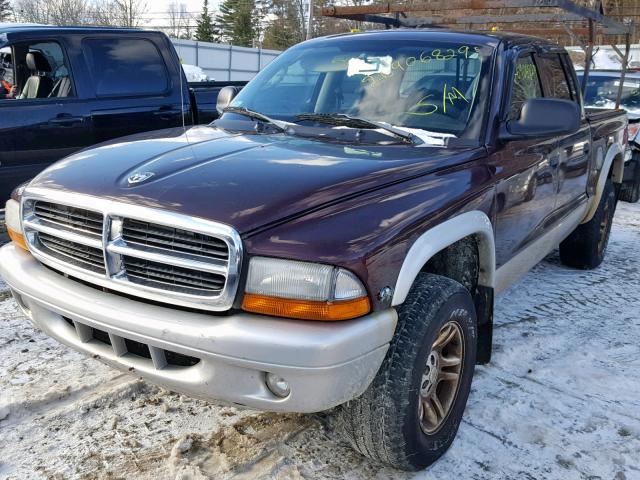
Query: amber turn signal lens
(17, 238)
(306, 309)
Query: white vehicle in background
(601, 93)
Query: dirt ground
(560, 399)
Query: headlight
(309, 291)
(14, 226)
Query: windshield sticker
(369, 66)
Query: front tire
(411, 412)
(586, 246)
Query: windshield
(432, 86)
(602, 92)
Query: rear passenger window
(33, 71)
(557, 85)
(122, 67)
(526, 85)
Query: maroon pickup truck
(336, 238)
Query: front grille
(77, 254)
(136, 232)
(79, 219)
(172, 276)
(160, 256)
(122, 346)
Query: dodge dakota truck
(336, 238)
(66, 88)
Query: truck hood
(246, 181)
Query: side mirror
(225, 96)
(543, 117)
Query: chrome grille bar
(201, 263)
(135, 232)
(77, 219)
(172, 274)
(154, 254)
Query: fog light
(278, 385)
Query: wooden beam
(573, 11)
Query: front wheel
(410, 413)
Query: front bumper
(326, 364)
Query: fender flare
(441, 236)
(615, 158)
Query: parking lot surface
(560, 399)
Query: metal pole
(310, 21)
(625, 62)
(588, 57)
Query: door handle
(167, 113)
(554, 161)
(65, 120)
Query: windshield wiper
(282, 126)
(343, 120)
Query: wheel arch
(427, 245)
(476, 225)
(612, 167)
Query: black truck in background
(66, 88)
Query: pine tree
(284, 27)
(206, 30)
(237, 22)
(5, 10)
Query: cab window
(125, 66)
(525, 86)
(35, 71)
(557, 84)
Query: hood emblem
(139, 177)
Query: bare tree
(125, 13)
(130, 12)
(179, 20)
(33, 11)
(105, 13)
(69, 12)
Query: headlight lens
(14, 226)
(309, 291)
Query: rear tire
(586, 246)
(397, 421)
(630, 190)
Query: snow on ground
(560, 400)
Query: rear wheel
(410, 414)
(586, 246)
(630, 190)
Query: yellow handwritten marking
(452, 95)
(424, 57)
(421, 104)
(397, 65)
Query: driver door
(525, 168)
